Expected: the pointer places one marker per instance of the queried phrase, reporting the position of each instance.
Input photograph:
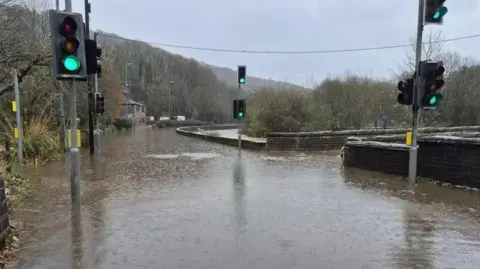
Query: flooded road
(159, 200)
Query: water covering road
(159, 200)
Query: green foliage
(122, 124)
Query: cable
(288, 52)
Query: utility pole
(169, 101)
(127, 90)
(412, 164)
(19, 119)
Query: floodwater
(154, 199)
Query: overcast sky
(288, 25)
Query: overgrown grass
(39, 139)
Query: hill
(223, 74)
(229, 76)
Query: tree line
(353, 102)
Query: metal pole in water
(74, 151)
(412, 164)
(239, 121)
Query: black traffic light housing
(433, 11)
(239, 109)
(68, 48)
(93, 54)
(432, 81)
(405, 97)
(99, 104)
(242, 74)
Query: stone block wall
(452, 160)
(326, 140)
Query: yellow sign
(408, 139)
(15, 132)
(14, 106)
(79, 139)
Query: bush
(350, 102)
(122, 124)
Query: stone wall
(4, 220)
(452, 160)
(326, 140)
(246, 143)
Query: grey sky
(285, 25)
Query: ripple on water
(191, 155)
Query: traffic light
(405, 97)
(432, 78)
(242, 74)
(433, 11)
(68, 48)
(239, 109)
(93, 53)
(99, 104)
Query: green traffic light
(71, 63)
(433, 100)
(240, 114)
(242, 80)
(440, 13)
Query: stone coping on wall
(376, 144)
(374, 131)
(369, 141)
(470, 136)
(247, 142)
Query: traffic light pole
(91, 137)
(412, 164)
(74, 152)
(239, 122)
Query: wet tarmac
(154, 199)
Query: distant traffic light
(434, 10)
(432, 77)
(405, 97)
(93, 53)
(242, 74)
(68, 48)
(99, 104)
(239, 109)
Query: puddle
(200, 155)
(192, 156)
